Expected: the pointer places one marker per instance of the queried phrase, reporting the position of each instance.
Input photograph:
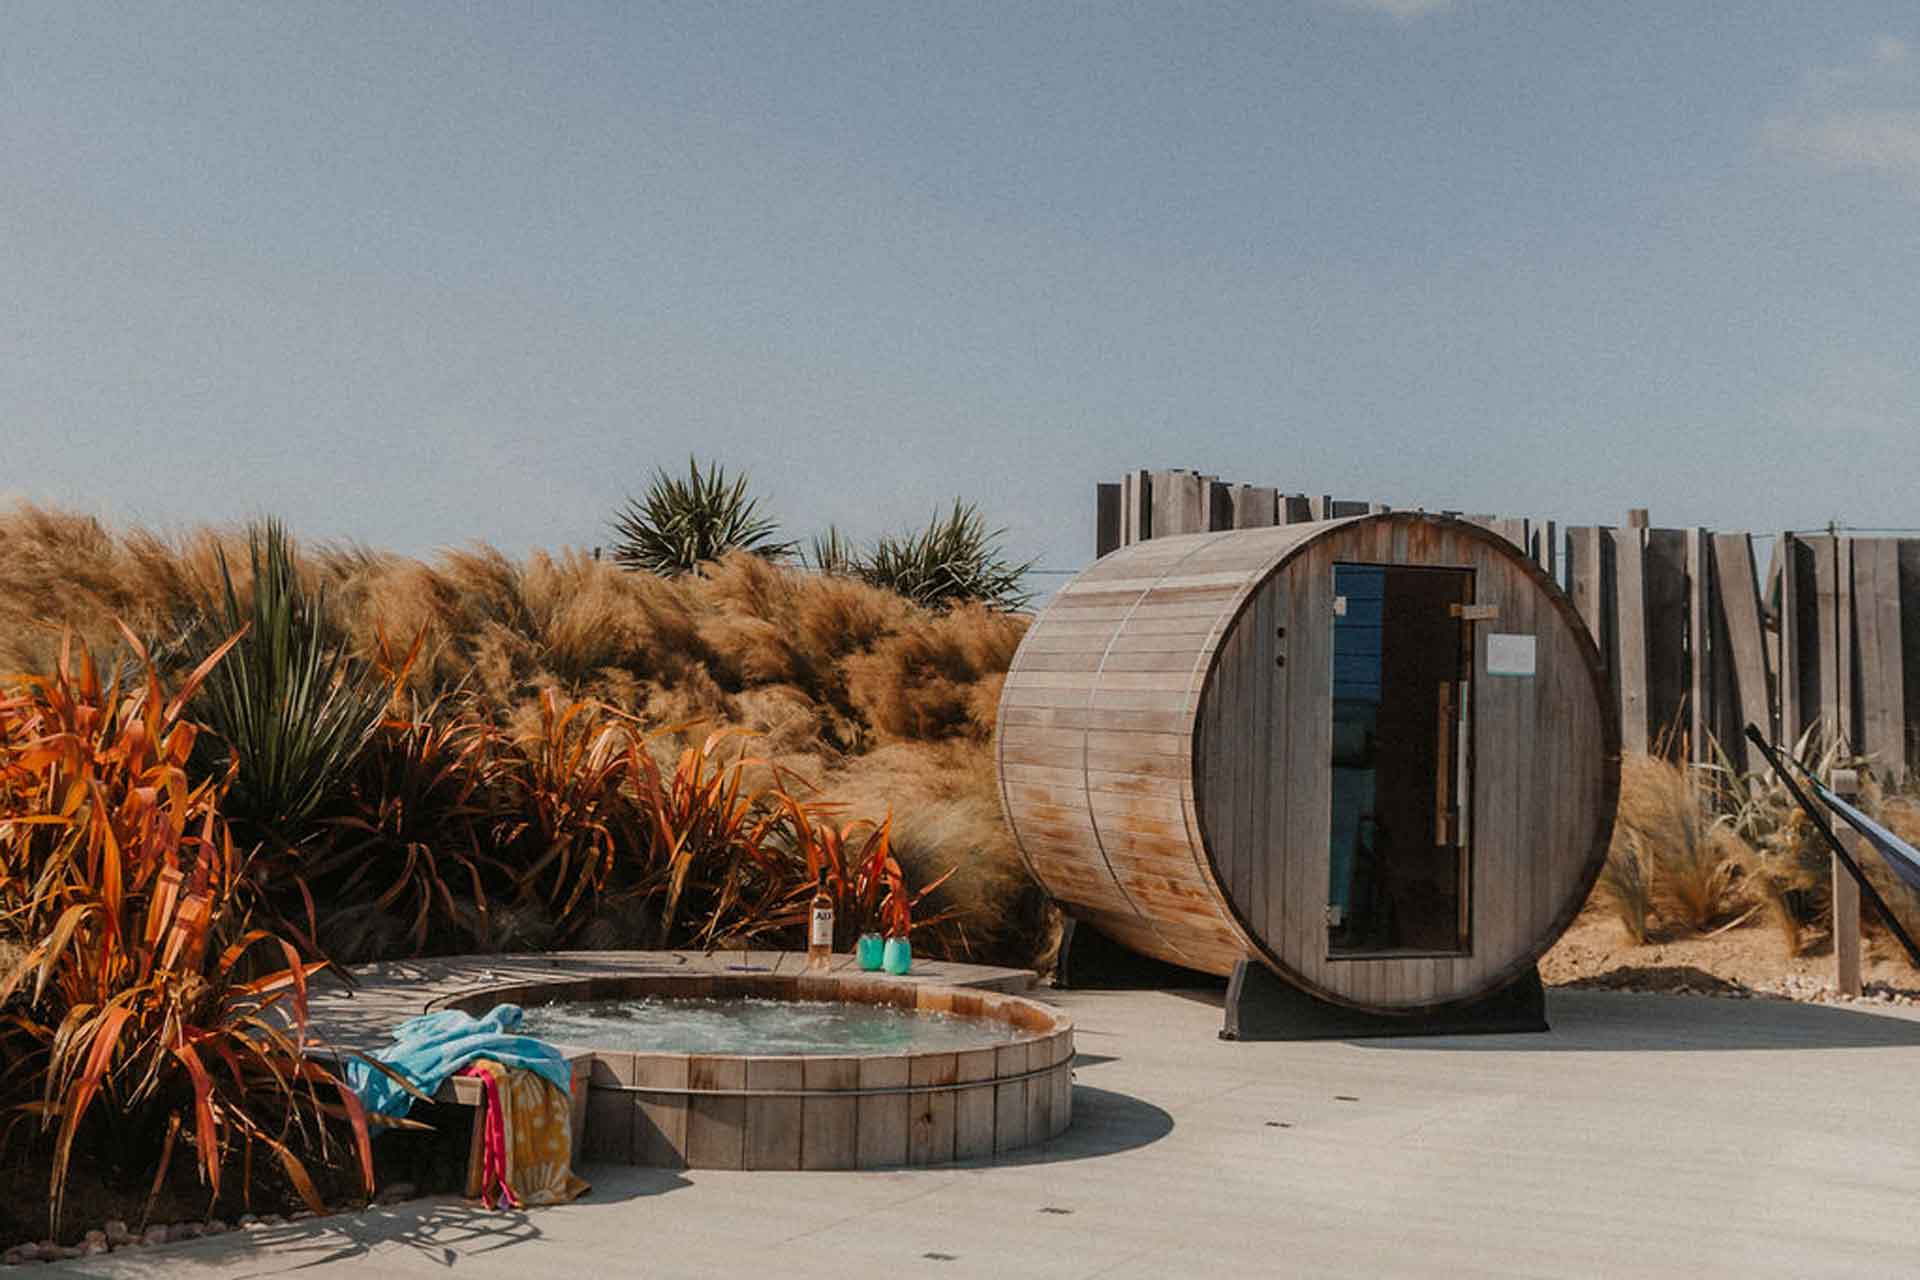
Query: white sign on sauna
(1509, 655)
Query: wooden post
(1637, 518)
(1846, 896)
(1106, 519)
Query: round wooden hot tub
(815, 1111)
(1376, 754)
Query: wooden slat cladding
(1095, 739)
(1165, 738)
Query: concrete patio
(1644, 1135)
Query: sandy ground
(1749, 961)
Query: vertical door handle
(1463, 777)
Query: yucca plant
(290, 709)
(143, 1001)
(834, 553)
(956, 558)
(679, 525)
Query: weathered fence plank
(1219, 501)
(1546, 548)
(1136, 507)
(1836, 659)
(1590, 583)
(1800, 648)
(1703, 728)
(1630, 636)
(1254, 506)
(1179, 503)
(1879, 693)
(1737, 590)
(1666, 637)
(1909, 576)
(1106, 530)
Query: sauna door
(1401, 761)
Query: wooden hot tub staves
(1167, 755)
(857, 1111)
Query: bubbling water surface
(754, 1025)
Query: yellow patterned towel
(524, 1139)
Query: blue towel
(430, 1048)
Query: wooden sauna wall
(1543, 786)
(1095, 740)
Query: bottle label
(822, 935)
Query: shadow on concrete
(1615, 1022)
(442, 1230)
(1104, 1123)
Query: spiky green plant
(835, 553)
(292, 711)
(956, 558)
(680, 525)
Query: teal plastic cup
(899, 956)
(871, 951)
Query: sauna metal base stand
(1261, 1005)
(1091, 961)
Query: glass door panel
(1397, 858)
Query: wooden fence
(1697, 641)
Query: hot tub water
(761, 1027)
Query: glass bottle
(820, 927)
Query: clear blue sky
(418, 274)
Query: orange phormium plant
(120, 881)
(567, 806)
(717, 849)
(866, 881)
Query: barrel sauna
(1375, 754)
